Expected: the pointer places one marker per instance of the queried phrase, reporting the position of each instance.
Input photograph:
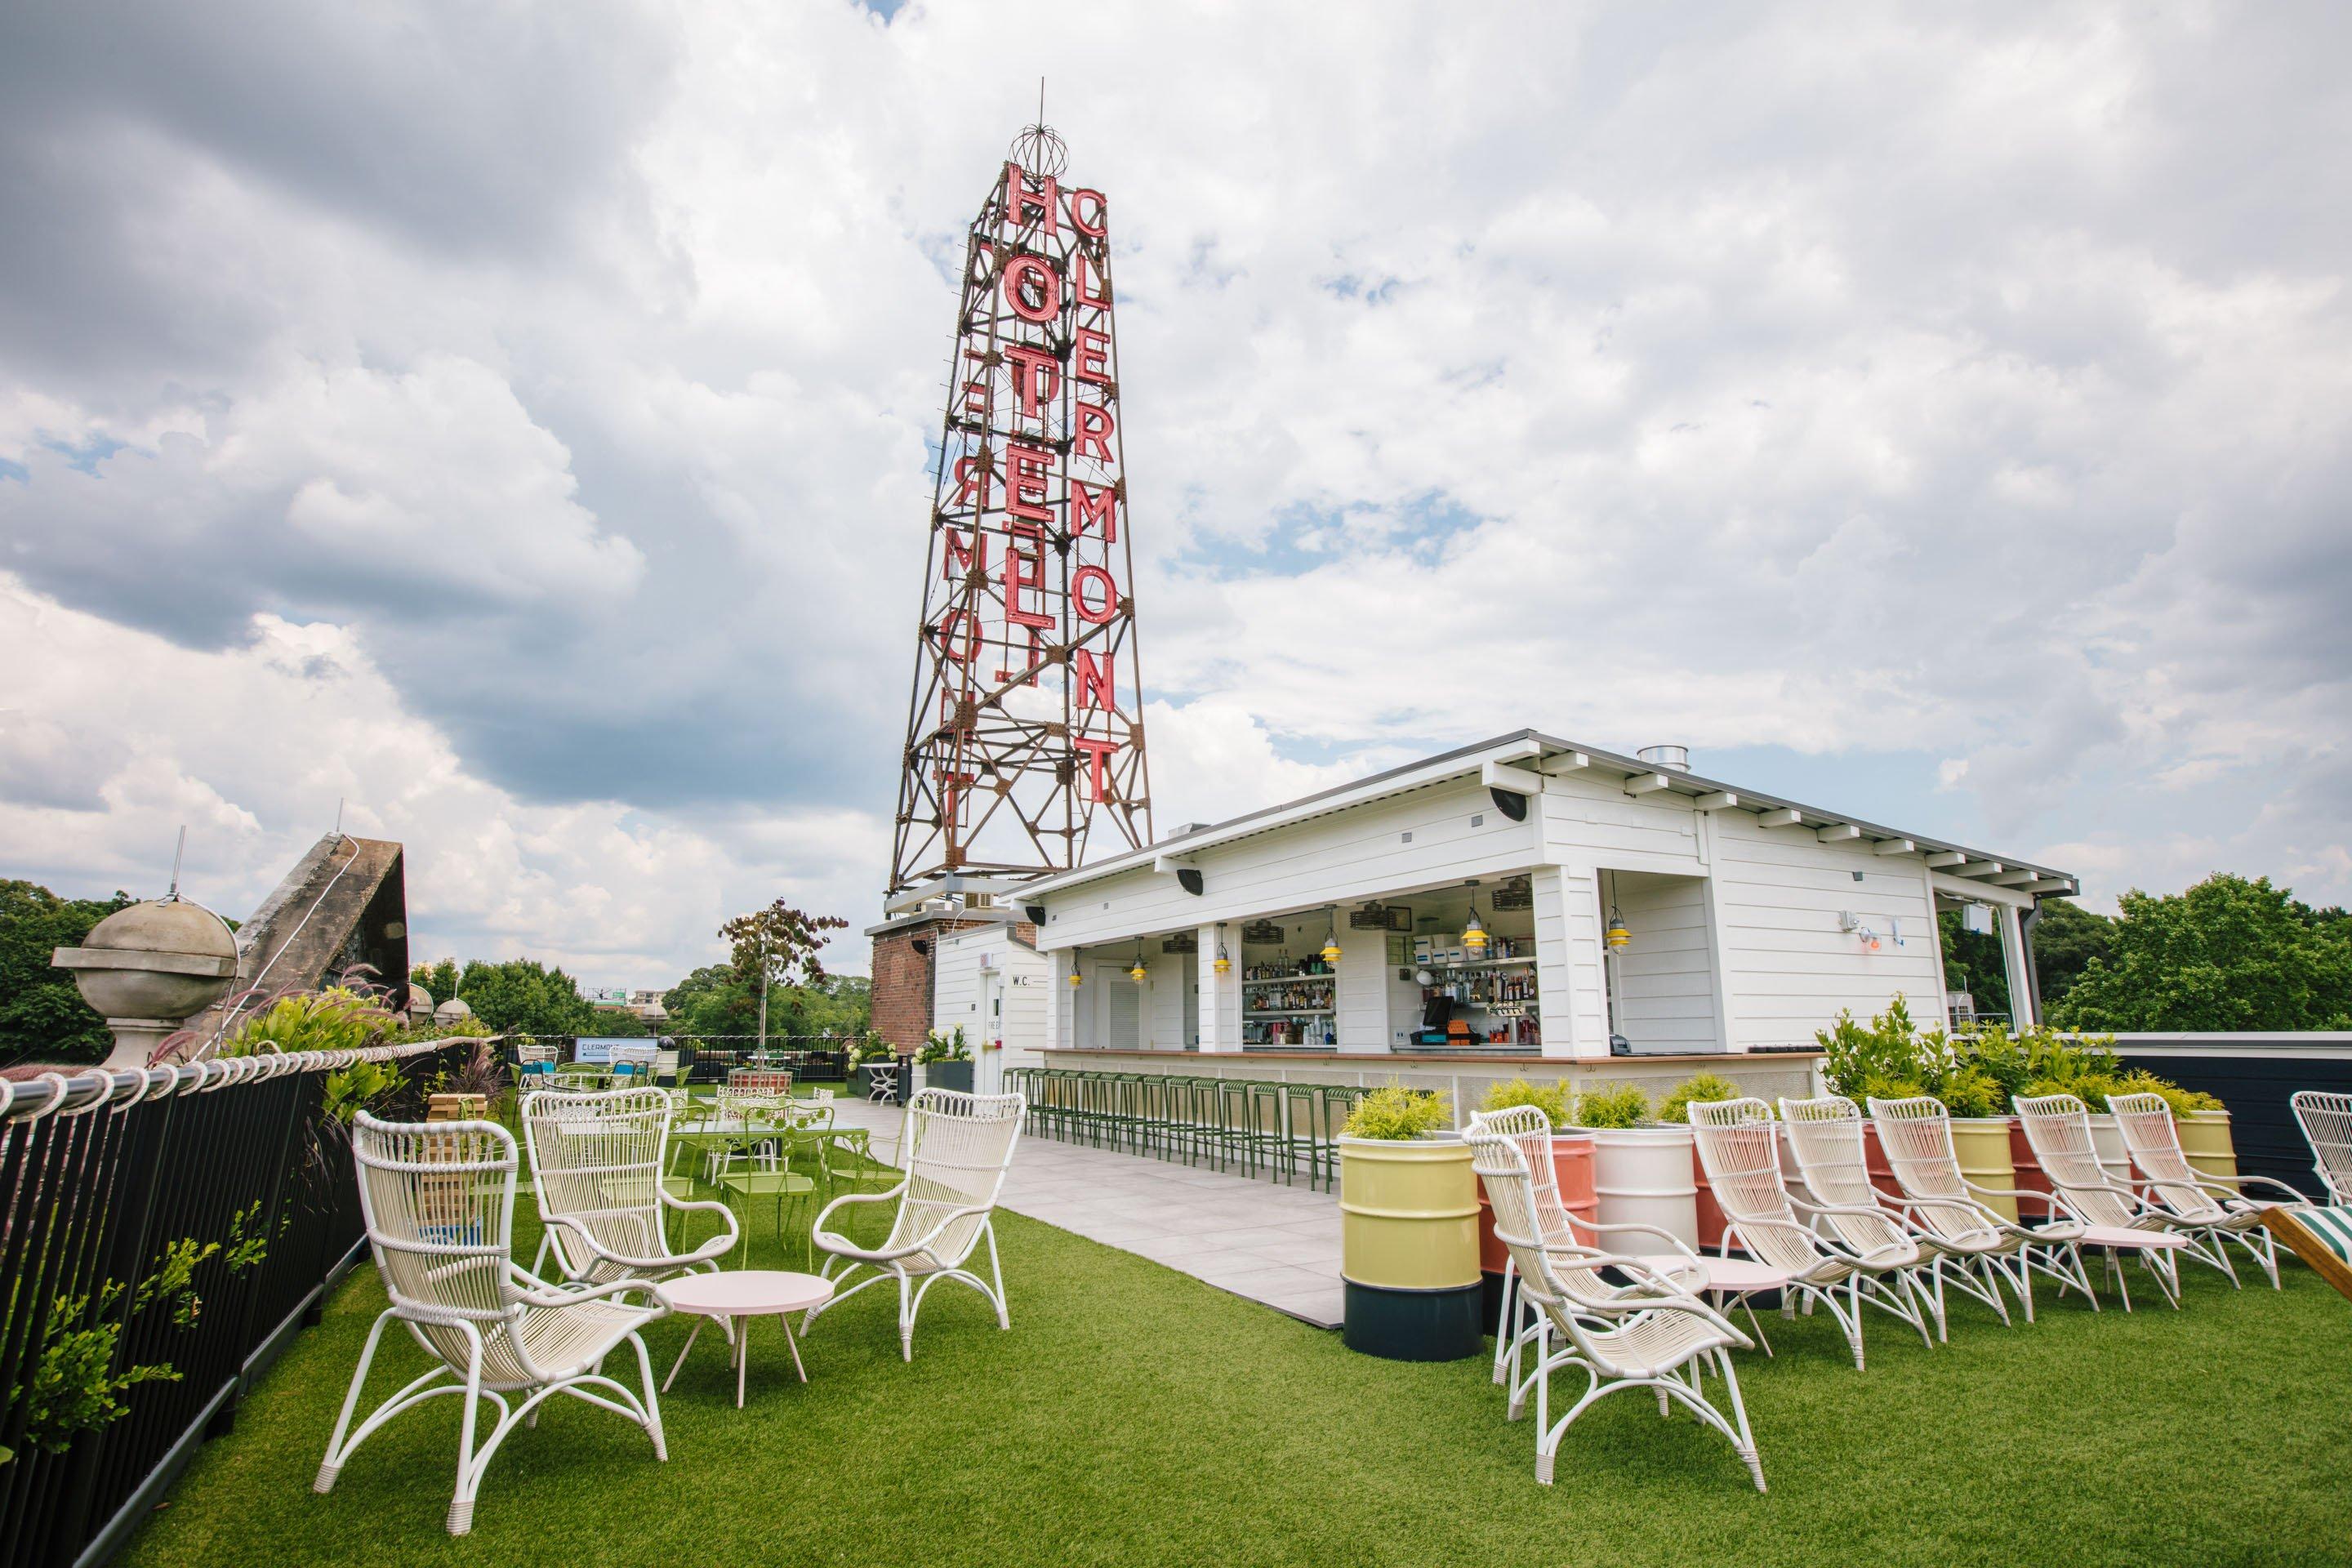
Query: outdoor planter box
(1986, 1153)
(1409, 1247)
(1571, 1165)
(956, 1076)
(1646, 1175)
(2205, 1140)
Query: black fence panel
(196, 1216)
(2253, 1076)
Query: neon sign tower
(1024, 729)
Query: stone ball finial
(150, 966)
(453, 1011)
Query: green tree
(42, 1017)
(2065, 939)
(523, 996)
(777, 946)
(1973, 963)
(2228, 954)
(439, 979)
(719, 999)
(617, 1023)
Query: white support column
(1220, 994)
(1359, 990)
(1057, 1001)
(2024, 1012)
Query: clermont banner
(1025, 729)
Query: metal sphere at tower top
(1041, 151)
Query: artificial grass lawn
(1134, 1416)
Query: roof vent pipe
(1672, 759)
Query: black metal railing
(705, 1058)
(185, 1219)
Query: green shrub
(1969, 1091)
(1398, 1113)
(1553, 1101)
(2139, 1080)
(335, 1020)
(1618, 1105)
(944, 1046)
(1675, 1108)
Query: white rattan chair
(958, 1148)
(2058, 1129)
(598, 1161)
(1739, 1146)
(1652, 1334)
(2327, 1122)
(1825, 1136)
(1556, 1224)
(1916, 1135)
(2212, 1211)
(439, 1203)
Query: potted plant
(2200, 1121)
(1641, 1167)
(1571, 1160)
(1409, 1229)
(944, 1062)
(1674, 1112)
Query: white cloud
(553, 389)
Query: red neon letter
(946, 631)
(971, 476)
(1036, 377)
(1091, 299)
(1101, 226)
(1023, 273)
(1022, 198)
(1023, 570)
(1092, 349)
(1092, 613)
(1025, 480)
(1098, 679)
(1092, 437)
(955, 563)
(1097, 748)
(1092, 504)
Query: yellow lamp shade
(1617, 936)
(1331, 950)
(1076, 979)
(1473, 936)
(1138, 974)
(1224, 966)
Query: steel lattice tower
(1024, 728)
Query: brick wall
(902, 980)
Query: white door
(988, 1051)
(1122, 1006)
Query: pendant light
(1331, 938)
(1474, 935)
(1076, 979)
(1138, 973)
(1224, 960)
(1617, 936)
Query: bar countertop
(1438, 1059)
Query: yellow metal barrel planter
(1409, 1247)
(1981, 1145)
(2205, 1140)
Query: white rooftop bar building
(1744, 923)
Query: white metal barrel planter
(1643, 1175)
(2114, 1157)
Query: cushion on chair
(2320, 1236)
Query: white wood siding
(1667, 974)
(1788, 970)
(1345, 857)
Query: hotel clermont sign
(1025, 733)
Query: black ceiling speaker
(1510, 803)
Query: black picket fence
(110, 1184)
(706, 1058)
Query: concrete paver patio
(1273, 1244)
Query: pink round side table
(735, 1295)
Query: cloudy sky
(508, 421)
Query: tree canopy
(721, 999)
(2230, 955)
(439, 979)
(42, 1017)
(523, 996)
